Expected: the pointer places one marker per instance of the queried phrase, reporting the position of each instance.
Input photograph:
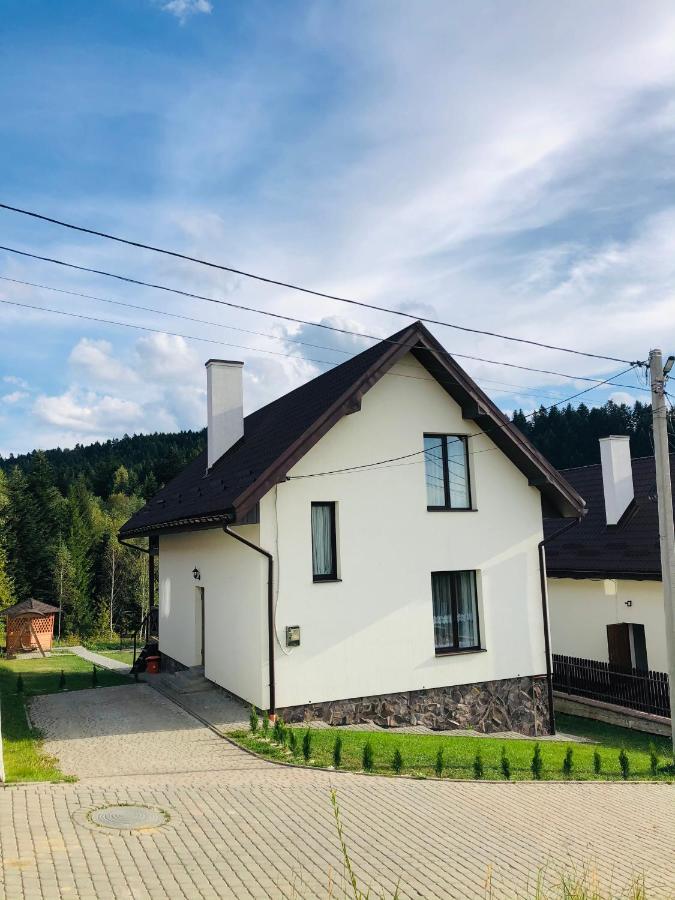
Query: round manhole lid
(128, 818)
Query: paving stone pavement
(241, 827)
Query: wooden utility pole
(665, 503)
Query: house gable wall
(371, 633)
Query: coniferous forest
(60, 510)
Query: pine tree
(7, 596)
(81, 541)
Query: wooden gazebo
(29, 626)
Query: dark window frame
(454, 648)
(333, 574)
(447, 506)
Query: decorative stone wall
(513, 704)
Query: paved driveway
(242, 828)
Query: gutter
(270, 611)
(544, 612)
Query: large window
(455, 611)
(324, 549)
(446, 463)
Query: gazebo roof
(28, 607)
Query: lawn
(23, 754)
(124, 656)
(419, 753)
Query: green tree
(6, 581)
(81, 545)
(65, 588)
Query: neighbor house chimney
(224, 398)
(617, 476)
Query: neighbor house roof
(594, 549)
(36, 607)
(279, 434)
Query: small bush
(624, 764)
(307, 745)
(440, 762)
(337, 751)
(397, 761)
(597, 762)
(292, 741)
(653, 760)
(94, 676)
(568, 763)
(62, 681)
(478, 768)
(505, 764)
(368, 758)
(19, 683)
(266, 724)
(279, 731)
(253, 720)
(537, 765)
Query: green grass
(612, 735)
(125, 656)
(24, 757)
(420, 751)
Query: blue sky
(507, 166)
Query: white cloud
(96, 361)
(14, 379)
(183, 9)
(88, 412)
(14, 397)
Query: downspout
(544, 611)
(270, 610)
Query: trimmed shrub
(368, 758)
(279, 731)
(478, 768)
(537, 765)
(19, 683)
(397, 761)
(624, 765)
(337, 751)
(253, 720)
(653, 760)
(307, 745)
(292, 741)
(62, 681)
(440, 762)
(568, 763)
(266, 724)
(94, 676)
(505, 763)
(597, 762)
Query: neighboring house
(604, 576)
(399, 514)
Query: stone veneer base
(511, 704)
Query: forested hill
(569, 437)
(150, 460)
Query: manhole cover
(128, 818)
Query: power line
(172, 290)
(294, 287)
(425, 450)
(522, 389)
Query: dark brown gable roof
(26, 607)
(595, 550)
(279, 434)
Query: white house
(604, 583)
(365, 547)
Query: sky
(504, 166)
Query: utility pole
(665, 503)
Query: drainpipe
(270, 610)
(544, 611)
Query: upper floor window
(446, 462)
(455, 611)
(324, 545)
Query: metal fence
(634, 688)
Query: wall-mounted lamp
(196, 574)
(629, 602)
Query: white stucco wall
(234, 579)
(372, 632)
(581, 609)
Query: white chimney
(617, 476)
(225, 404)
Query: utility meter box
(292, 635)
